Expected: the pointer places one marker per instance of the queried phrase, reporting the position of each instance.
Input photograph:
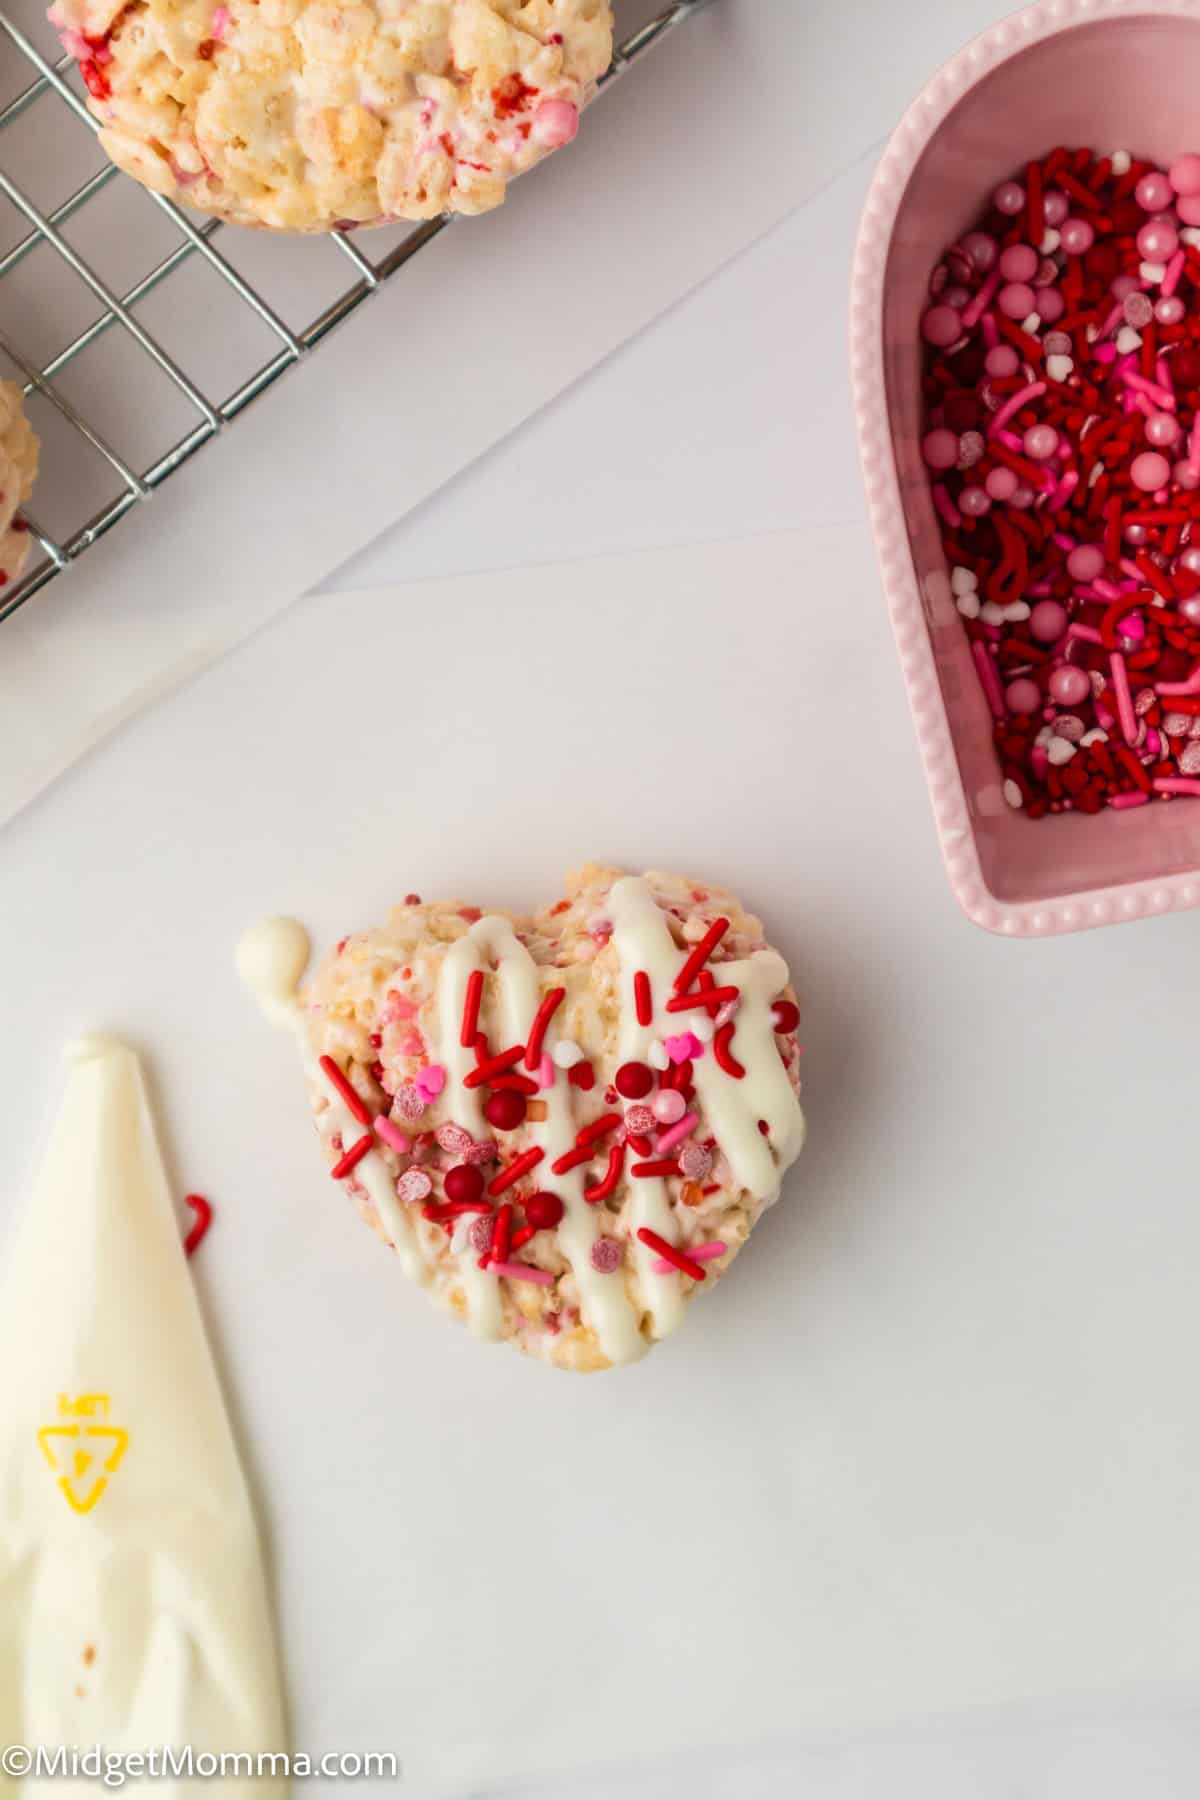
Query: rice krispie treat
(18, 472)
(566, 1125)
(306, 114)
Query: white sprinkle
(1033, 324)
(968, 605)
(1152, 272)
(461, 1239)
(1097, 472)
(657, 1056)
(702, 1027)
(566, 1054)
(991, 614)
(1044, 736)
(1121, 162)
(1016, 609)
(1059, 751)
(1128, 339)
(1092, 333)
(1094, 736)
(1059, 367)
(962, 580)
(1050, 242)
(1013, 795)
(1189, 235)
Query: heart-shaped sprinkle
(430, 1082)
(414, 1184)
(683, 1047)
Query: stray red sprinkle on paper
(200, 1224)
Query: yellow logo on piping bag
(83, 1456)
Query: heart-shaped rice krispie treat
(566, 1125)
(18, 472)
(303, 115)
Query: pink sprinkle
(546, 1072)
(667, 1140)
(989, 680)
(1190, 686)
(430, 1082)
(946, 506)
(555, 123)
(1176, 784)
(479, 1232)
(408, 1103)
(412, 1045)
(695, 1162)
(519, 1271)
(1014, 403)
(701, 1253)
(414, 1184)
(482, 1152)
(606, 1256)
(1170, 280)
(218, 25)
(683, 1047)
(640, 1120)
(453, 1139)
(395, 1139)
(727, 1012)
(981, 301)
(1124, 801)
(1125, 712)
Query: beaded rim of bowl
(923, 119)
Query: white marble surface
(978, 1299)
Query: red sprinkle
(482, 1073)
(470, 1018)
(725, 1058)
(354, 1101)
(571, 1159)
(612, 1175)
(700, 955)
(353, 1156)
(643, 1004)
(710, 996)
(200, 1224)
(662, 1166)
(677, 1258)
(541, 1018)
(528, 1159)
(598, 1128)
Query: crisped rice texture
(18, 471)
(372, 1007)
(301, 115)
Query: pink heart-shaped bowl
(1105, 73)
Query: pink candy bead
(1187, 477)
(1158, 241)
(1019, 262)
(941, 327)
(974, 502)
(1188, 208)
(1069, 686)
(1153, 193)
(1001, 484)
(1048, 621)
(1190, 609)
(940, 448)
(1189, 559)
(668, 1106)
(1121, 286)
(981, 249)
(1009, 198)
(555, 123)
(1023, 695)
(1085, 562)
(1024, 498)
(1184, 174)
(1001, 361)
(1050, 305)
(1149, 471)
(1040, 442)
(1170, 310)
(1055, 206)
(1161, 430)
(1076, 236)
(1016, 300)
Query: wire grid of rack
(367, 275)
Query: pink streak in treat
(699, 1253)
(555, 123)
(519, 1271)
(218, 25)
(396, 1140)
(667, 1140)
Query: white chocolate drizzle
(271, 959)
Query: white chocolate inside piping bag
(133, 1607)
(271, 959)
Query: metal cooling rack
(367, 276)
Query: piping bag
(133, 1604)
